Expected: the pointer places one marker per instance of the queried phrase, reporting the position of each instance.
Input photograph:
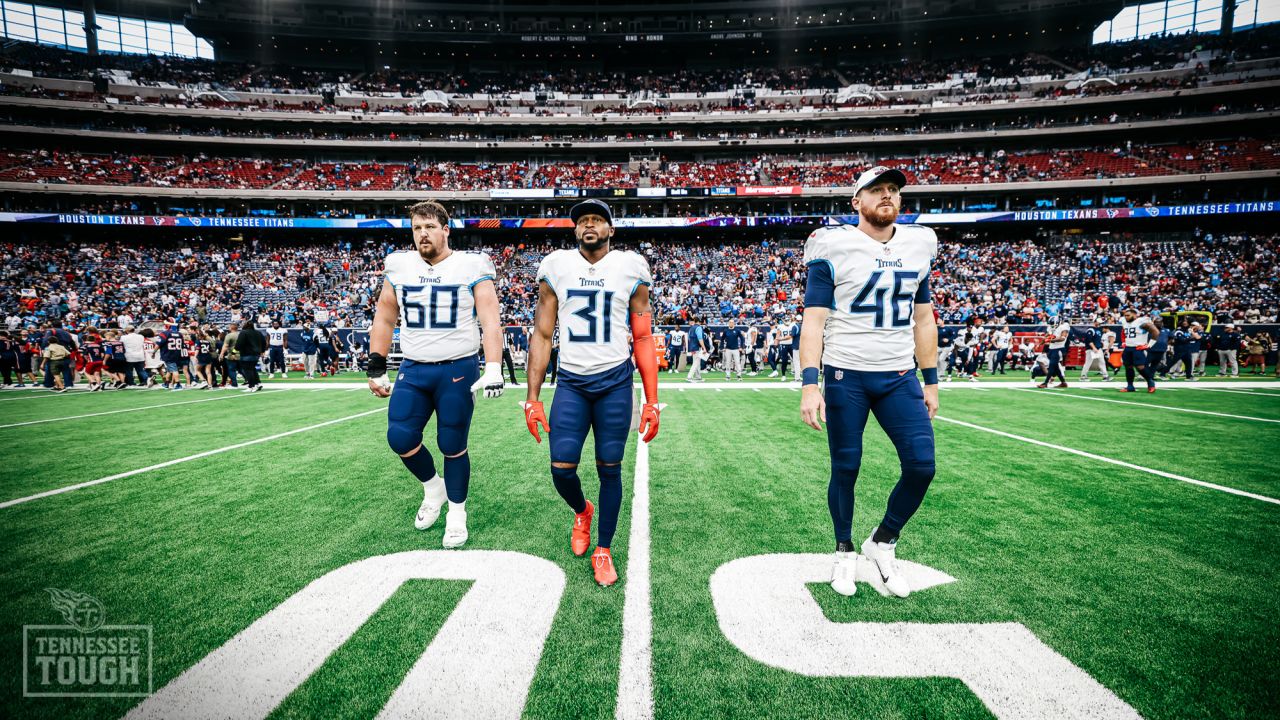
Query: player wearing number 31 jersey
(869, 319)
(437, 295)
(592, 292)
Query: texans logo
(1112, 213)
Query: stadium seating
(1009, 281)
(44, 166)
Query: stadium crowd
(202, 291)
(776, 131)
(55, 166)
(97, 284)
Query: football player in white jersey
(438, 295)
(593, 294)
(277, 346)
(869, 321)
(1137, 330)
(1059, 335)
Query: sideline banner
(314, 223)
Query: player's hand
(491, 381)
(380, 386)
(534, 415)
(813, 408)
(649, 421)
(931, 400)
(378, 383)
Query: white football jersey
(276, 336)
(594, 305)
(437, 307)
(1135, 333)
(1108, 339)
(1063, 330)
(871, 321)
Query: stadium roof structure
(397, 32)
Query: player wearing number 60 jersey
(869, 320)
(591, 292)
(437, 295)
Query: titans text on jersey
(437, 307)
(875, 287)
(594, 302)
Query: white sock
(460, 507)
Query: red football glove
(1142, 347)
(535, 415)
(648, 422)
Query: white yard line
(635, 667)
(1254, 393)
(197, 456)
(1112, 461)
(1155, 407)
(125, 410)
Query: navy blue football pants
(421, 390)
(602, 404)
(897, 400)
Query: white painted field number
(486, 652)
(766, 611)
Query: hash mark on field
(635, 664)
(1160, 407)
(125, 410)
(197, 456)
(1112, 461)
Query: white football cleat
(844, 572)
(455, 527)
(773, 374)
(882, 557)
(433, 498)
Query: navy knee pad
(403, 437)
(845, 464)
(451, 439)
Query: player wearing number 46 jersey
(869, 320)
(437, 294)
(590, 292)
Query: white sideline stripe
(1237, 392)
(1158, 407)
(1113, 461)
(767, 384)
(125, 410)
(197, 456)
(635, 666)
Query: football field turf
(1095, 553)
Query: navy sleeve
(922, 292)
(820, 289)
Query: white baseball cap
(878, 174)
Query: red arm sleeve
(646, 359)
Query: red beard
(881, 216)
